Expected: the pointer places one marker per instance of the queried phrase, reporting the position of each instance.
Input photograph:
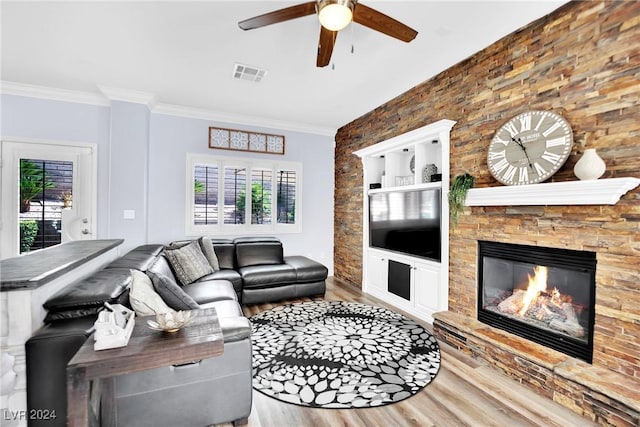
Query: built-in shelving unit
(417, 285)
(588, 192)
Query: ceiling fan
(334, 15)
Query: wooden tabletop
(34, 269)
(147, 349)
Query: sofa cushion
(102, 286)
(139, 258)
(188, 262)
(143, 298)
(225, 252)
(205, 291)
(307, 270)
(209, 252)
(161, 265)
(235, 328)
(258, 251)
(171, 292)
(225, 308)
(229, 275)
(72, 313)
(258, 276)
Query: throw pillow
(144, 300)
(209, 252)
(171, 292)
(188, 262)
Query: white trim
(109, 94)
(241, 119)
(589, 192)
(129, 95)
(53, 94)
(193, 159)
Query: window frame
(193, 160)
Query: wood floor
(464, 393)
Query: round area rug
(335, 354)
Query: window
(261, 184)
(228, 194)
(45, 189)
(205, 201)
(235, 185)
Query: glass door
(48, 194)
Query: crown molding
(218, 116)
(53, 94)
(150, 100)
(128, 95)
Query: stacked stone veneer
(582, 61)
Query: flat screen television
(406, 222)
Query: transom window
(227, 194)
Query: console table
(147, 349)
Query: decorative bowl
(170, 322)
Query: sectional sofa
(246, 270)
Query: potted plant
(28, 232)
(33, 180)
(66, 198)
(458, 195)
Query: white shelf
(422, 186)
(593, 192)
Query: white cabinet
(409, 283)
(427, 298)
(377, 271)
(417, 285)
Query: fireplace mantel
(594, 192)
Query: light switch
(129, 214)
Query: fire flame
(537, 285)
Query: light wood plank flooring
(464, 393)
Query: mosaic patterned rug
(335, 354)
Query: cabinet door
(377, 272)
(426, 288)
(400, 279)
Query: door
(48, 194)
(427, 288)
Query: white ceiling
(183, 52)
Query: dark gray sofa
(214, 391)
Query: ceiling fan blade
(378, 21)
(325, 46)
(286, 14)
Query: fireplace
(546, 295)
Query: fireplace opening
(546, 295)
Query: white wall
(135, 145)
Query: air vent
(248, 72)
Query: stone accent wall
(581, 61)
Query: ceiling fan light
(335, 15)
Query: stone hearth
(605, 397)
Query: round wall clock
(530, 148)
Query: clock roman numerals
(529, 148)
(556, 142)
(523, 174)
(511, 128)
(539, 169)
(494, 155)
(509, 173)
(550, 130)
(525, 123)
(551, 157)
(501, 165)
